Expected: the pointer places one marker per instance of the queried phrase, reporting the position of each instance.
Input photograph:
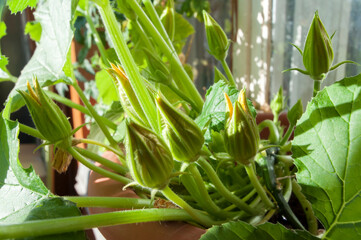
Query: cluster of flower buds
(50, 122)
(218, 42)
(149, 159)
(241, 133)
(181, 133)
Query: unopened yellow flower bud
(127, 95)
(241, 132)
(148, 157)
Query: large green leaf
(50, 54)
(244, 231)
(327, 152)
(23, 195)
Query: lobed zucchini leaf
(23, 195)
(55, 18)
(244, 231)
(327, 152)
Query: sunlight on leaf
(327, 149)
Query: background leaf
(214, 109)
(34, 30)
(327, 152)
(23, 195)
(107, 91)
(50, 54)
(19, 5)
(244, 231)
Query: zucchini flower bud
(181, 133)
(318, 52)
(149, 159)
(217, 39)
(47, 116)
(167, 18)
(51, 123)
(241, 133)
(126, 94)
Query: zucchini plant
(205, 157)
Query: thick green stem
(307, 208)
(198, 216)
(316, 87)
(72, 224)
(143, 36)
(153, 15)
(95, 115)
(97, 38)
(181, 78)
(130, 67)
(31, 131)
(257, 185)
(228, 72)
(111, 202)
(183, 96)
(208, 203)
(274, 134)
(287, 135)
(69, 103)
(74, 152)
(105, 162)
(100, 144)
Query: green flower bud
(217, 39)
(158, 71)
(241, 132)
(149, 159)
(278, 102)
(47, 116)
(168, 20)
(181, 133)
(127, 95)
(318, 52)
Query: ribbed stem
(257, 185)
(105, 162)
(72, 224)
(111, 202)
(130, 67)
(228, 73)
(197, 216)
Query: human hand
(102, 186)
